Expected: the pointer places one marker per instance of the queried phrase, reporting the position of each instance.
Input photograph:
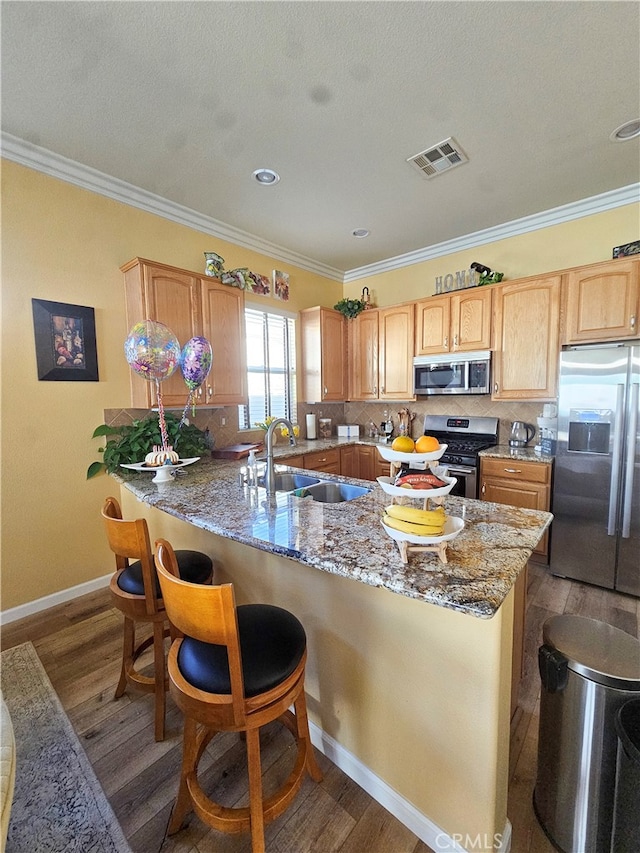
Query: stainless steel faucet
(269, 476)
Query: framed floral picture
(65, 337)
(281, 285)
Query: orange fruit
(403, 444)
(427, 444)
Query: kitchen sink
(333, 493)
(287, 482)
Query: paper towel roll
(311, 426)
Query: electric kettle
(521, 434)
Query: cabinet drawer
(293, 461)
(321, 460)
(515, 469)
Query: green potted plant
(129, 444)
(350, 307)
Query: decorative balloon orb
(152, 350)
(195, 362)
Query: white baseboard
(55, 598)
(426, 830)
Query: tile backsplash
(223, 422)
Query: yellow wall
(65, 244)
(569, 244)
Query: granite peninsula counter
(408, 692)
(347, 538)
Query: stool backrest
(204, 612)
(129, 540)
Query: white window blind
(271, 368)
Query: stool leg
(189, 762)
(128, 646)
(302, 722)
(159, 675)
(255, 791)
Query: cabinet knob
(326, 391)
(446, 342)
(484, 489)
(513, 471)
(633, 321)
(495, 388)
(209, 392)
(455, 341)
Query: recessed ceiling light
(266, 177)
(360, 232)
(628, 130)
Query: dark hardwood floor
(79, 645)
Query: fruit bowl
(390, 455)
(452, 527)
(387, 486)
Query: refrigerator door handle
(631, 454)
(616, 462)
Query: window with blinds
(271, 368)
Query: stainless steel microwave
(452, 373)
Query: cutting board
(235, 451)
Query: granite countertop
(348, 539)
(526, 454)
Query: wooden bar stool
(136, 592)
(234, 669)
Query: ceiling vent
(440, 158)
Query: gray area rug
(58, 804)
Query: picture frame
(65, 339)
(281, 285)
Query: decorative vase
(213, 264)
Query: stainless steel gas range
(465, 438)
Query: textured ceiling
(186, 99)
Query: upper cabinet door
(602, 302)
(363, 356)
(223, 327)
(433, 324)
(395, 341)
(526, 339)
(323, 345)
(471, 320)
(334, 374)
(155, 292)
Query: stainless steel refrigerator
(595, 536)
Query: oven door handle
(458, 469)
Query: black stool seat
(272, 643)
(194, 567)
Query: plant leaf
(94, 469)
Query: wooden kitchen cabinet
(526, 339)
(323, 342)
(323, 460)
(602, 302)
(518, 483)
(223, 324)
(363, 356)
(395, 352)
(460, 322)
(381, 354)
(190, 305)
(350, 461)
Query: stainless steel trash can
(626, 817)
(588, 671)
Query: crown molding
(565, 213)
(42, 160)
(72, 172)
